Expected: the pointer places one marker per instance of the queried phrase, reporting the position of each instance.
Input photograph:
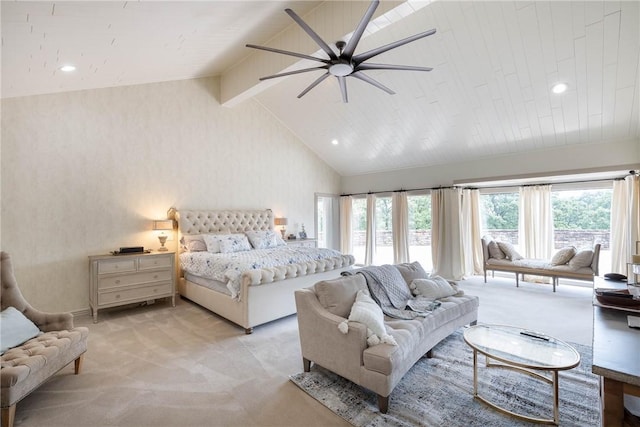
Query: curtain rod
(494, 186)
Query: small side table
(116, 280)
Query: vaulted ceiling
(489, 93)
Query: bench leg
(554, 280)
(517, 281)
(485, 276)
(78, 364)
(8, 415)
(306, 364)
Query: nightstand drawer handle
(118, 296)
(117, 282)
(155, 276)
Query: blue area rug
(439, 392)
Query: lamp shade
(280, 221)
(163, 224)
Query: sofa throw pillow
(15, 329)
(338, 295)
(495, 251)
(411, 271)
(584, 258)
(262, 239)
(234, 243)
(366, 311)
(563, 256)
(434, 287)
(509, 251)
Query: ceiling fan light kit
(344, 63)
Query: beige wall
(584, 157)
(84, 173)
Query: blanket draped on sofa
(391, 292)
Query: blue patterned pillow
(263, 239)
(234, 243)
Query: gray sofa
(582, 266)
(28, 365)
(379, 368)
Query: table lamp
(162, 225)
(282, 222)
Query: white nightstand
(124, 279)
(309, 243)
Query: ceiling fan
(344, 63)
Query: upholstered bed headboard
(215, 221)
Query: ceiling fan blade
(289, 73)
(342, 80)
(312, 34)
(365, 78)
(368, 66)
(350, 48)
(286, 52)
(314, 84)
(377, 51)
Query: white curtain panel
(625, 222)
(535, 228)
(370, 245)
(346, 218)
(400, 225)
(446, 236)
(471, 232)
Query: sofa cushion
(563, 256)
(412, 271)
(338, 295)
(509, 251)
(495, 251)
(433, 288)
(583, 258)
(15, 329)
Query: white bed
(260, 295)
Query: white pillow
(262, 239)
(509, 251)
(193, 243)
(366, 311)
(434, 287)
(234, 243)
(15, 329)
(584, 258)
(563, 256)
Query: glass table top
(515, 346)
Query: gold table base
(553, 381)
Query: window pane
(359, 228)
(500, 216)
(420, 230)
(384, 238)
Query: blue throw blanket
(388, 288)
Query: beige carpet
(164, 366)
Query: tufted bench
(25, 367)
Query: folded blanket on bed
(390, 291)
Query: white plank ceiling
(489, 93)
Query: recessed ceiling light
(559, 87)
(67, 68)
(334, 141)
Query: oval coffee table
(524, 351)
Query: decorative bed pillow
(434, 287)
(262, 239)
(411, 271)
(583, 258)
(495, 251)
(366, 311)
(509, 251)
(563, 256)
(193, 243)
(15, 329)
(234, 243)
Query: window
(327, 221)
(499, 211)
(384, 232)
(420, 229)
(359, 228)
